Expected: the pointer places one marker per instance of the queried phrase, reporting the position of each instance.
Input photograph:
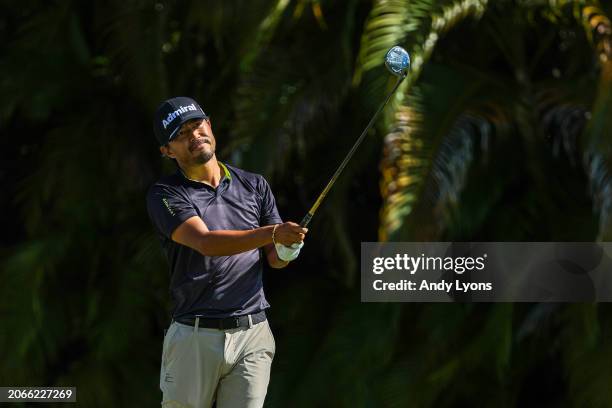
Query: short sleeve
(269, 212)
(168, 209)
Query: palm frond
(420, 160)
(417, 26)
(599, 30)
(597, 136)
(441, 23)
(286, 94)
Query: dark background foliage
(501, 133)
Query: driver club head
(397, 60)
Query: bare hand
(289, 233)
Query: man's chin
(204, 157)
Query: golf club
(397, 60)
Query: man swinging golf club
(216, 223)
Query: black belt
(233, 322)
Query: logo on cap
(165, 122)
(177, 113)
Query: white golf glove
(286, 253)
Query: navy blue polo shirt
(213, 286)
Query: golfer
(216, 224)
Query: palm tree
(505, 113)
(501, 135)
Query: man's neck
(208, 173)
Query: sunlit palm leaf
(598, 138)
(415, 25)
(422, 161)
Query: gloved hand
(286, 253)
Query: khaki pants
(229, 366)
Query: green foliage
(501, 133)
(505, 85)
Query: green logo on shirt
(168, 206)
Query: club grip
(305, 220)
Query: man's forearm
(278, 263)
(194, 233)
(230, 242)
(273, 260)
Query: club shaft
(306, 220)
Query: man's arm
(194, 233)
(272, 257)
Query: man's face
(194, 144)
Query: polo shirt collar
(226, 171)
(225, 179)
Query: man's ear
(166, 151)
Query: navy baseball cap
(171, 114)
